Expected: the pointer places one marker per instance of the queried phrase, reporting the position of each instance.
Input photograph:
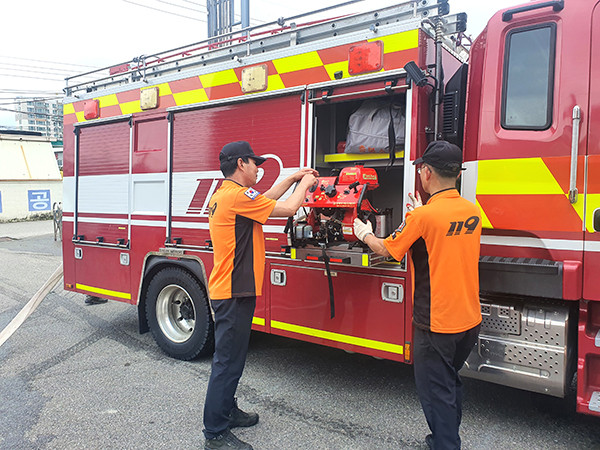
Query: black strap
(391, 137)
(329, 281)
(289, 225)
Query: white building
(30, 182)
(44, 116)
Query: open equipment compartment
(330, 128)
(367, 183)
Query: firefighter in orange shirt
(237, 213)
(443, 238)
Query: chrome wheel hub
(175, 313)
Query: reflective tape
(337, 337)
(314, 66)
(97, 290)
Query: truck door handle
(557, 5)
(574, 154)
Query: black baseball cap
(442, 155)
(239, 149)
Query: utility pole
(221, 16)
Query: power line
(44, 61)
(180, 6)
(193, 3)
(163, 11)
(36, 71)
(28, 92)
(28, 100)
(35, 78)
(27, 66)
(23, 98)
(52, 116)
(295, 10)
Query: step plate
(595, 402)
(522, 346)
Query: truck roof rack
(253, 41)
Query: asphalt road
(80, 376)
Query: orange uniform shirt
(235, 222)
(444, 239)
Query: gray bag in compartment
(369, 129)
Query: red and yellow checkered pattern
(533, 194)
(305, 68)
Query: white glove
(361, 229)
(415, 201)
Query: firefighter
(443, 239)
(237, 213)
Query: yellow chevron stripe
(108, 100)
(297, 62)
(336, 67)
(188, 97)
(578, 206)
(163, 89)
(485, 222)
(399, 41)
(219, 78)
(80, 116)
(97, 290)
(337, 337)
(515, 176)
(274, 83)
(592, 203)
(258, 321)
(130, 107)
(392, 43)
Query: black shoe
(91, 300)
(239, 418)
(429, 441)
(226, 440)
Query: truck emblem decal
(204, 191)
(206, 187)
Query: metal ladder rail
(403, 13)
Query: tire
(178, 315)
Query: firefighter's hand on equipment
(306, 171)
(288, 207)
(308, 179)
(361, 229)
(415, 201)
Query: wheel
(178, 314)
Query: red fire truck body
(141, 148)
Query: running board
(523, 346)
(521, 276)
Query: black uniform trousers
(437, 359)
(233, 321)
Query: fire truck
(141, 145)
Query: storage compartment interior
(330, 132)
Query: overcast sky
(45, 41)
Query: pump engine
(335, 202)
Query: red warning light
(365, 58)
(91, 109)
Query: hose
(31, 305)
